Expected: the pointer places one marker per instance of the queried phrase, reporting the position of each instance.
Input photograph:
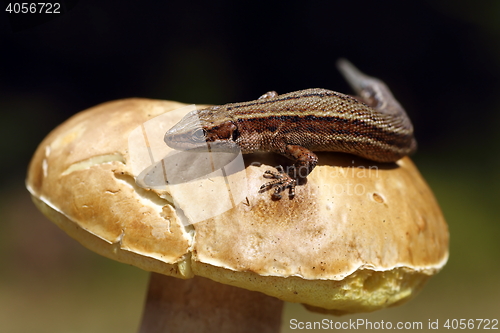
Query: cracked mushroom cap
(358, 236)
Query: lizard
(372, 125)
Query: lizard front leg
(305, 161)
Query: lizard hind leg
(305, 161)
(281, 182)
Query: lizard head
(200, 130)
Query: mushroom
(358, 236)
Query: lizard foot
(281, 182)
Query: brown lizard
(373, 126)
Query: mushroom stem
(202, 305)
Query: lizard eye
(199, 135)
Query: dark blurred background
(440, 58)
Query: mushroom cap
(357, 237)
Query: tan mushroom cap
(357, 237)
